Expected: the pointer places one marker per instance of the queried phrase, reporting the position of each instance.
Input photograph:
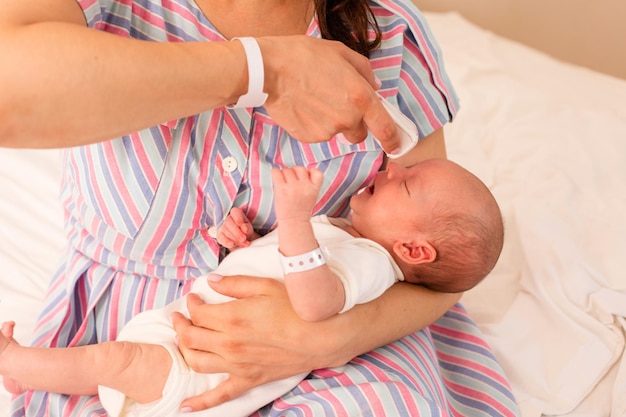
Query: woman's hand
(256, 339)
(319, 88)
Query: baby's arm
(318, 293)
(236, 231)
(137, 370)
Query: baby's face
(400, 197)
(401, 201)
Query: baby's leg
(141, 372)
(136, 369)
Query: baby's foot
(7, 343)
(6, 334)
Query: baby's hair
(468, 247)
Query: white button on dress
(229, 164)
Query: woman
(136, 93)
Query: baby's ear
(415, 252)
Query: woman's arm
(64, 84)
(259, 338)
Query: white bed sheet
(548, 138)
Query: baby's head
(440, 222)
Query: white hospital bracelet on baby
(255, 96)
(301, 263)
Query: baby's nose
(392, 169)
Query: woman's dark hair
(348, 21)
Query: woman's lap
(446, 369)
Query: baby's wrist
(294, 221)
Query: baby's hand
(236, 231)
(296, 191)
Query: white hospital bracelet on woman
(301, 263)
(255, 96)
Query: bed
(549, 139)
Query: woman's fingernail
(379, 83)
(186, 410)
(395, 151)
(214, 277)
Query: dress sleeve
(420, 83)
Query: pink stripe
(118, 179)
(375, 405)
(477, 366)
(152, 292)
(149, 17)
(51, 314)
(335, 183)
(85, 4)
(308, 153)
(332, 373)
(421, 40)
(96, 189)
(408, 400)
(181, 251)
(170, 208)
(118, 244)
(456, 334)
(106, 27)
(430, 61)
(280, 405)
(335, 403)
(386, 62)
(477, 395)
(82, 297)
(116, 295)
(185, 13)
(255, 173)
(147, 169)
(427, 373)
(417, 92)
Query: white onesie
(364, 267)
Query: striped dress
(138, 211)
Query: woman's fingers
(227, 390)
(315, 102)
(242, 286)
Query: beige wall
(584, 32)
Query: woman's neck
(256, 18)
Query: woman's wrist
(255, 95)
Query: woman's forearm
(64, 84)
(401, 310)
